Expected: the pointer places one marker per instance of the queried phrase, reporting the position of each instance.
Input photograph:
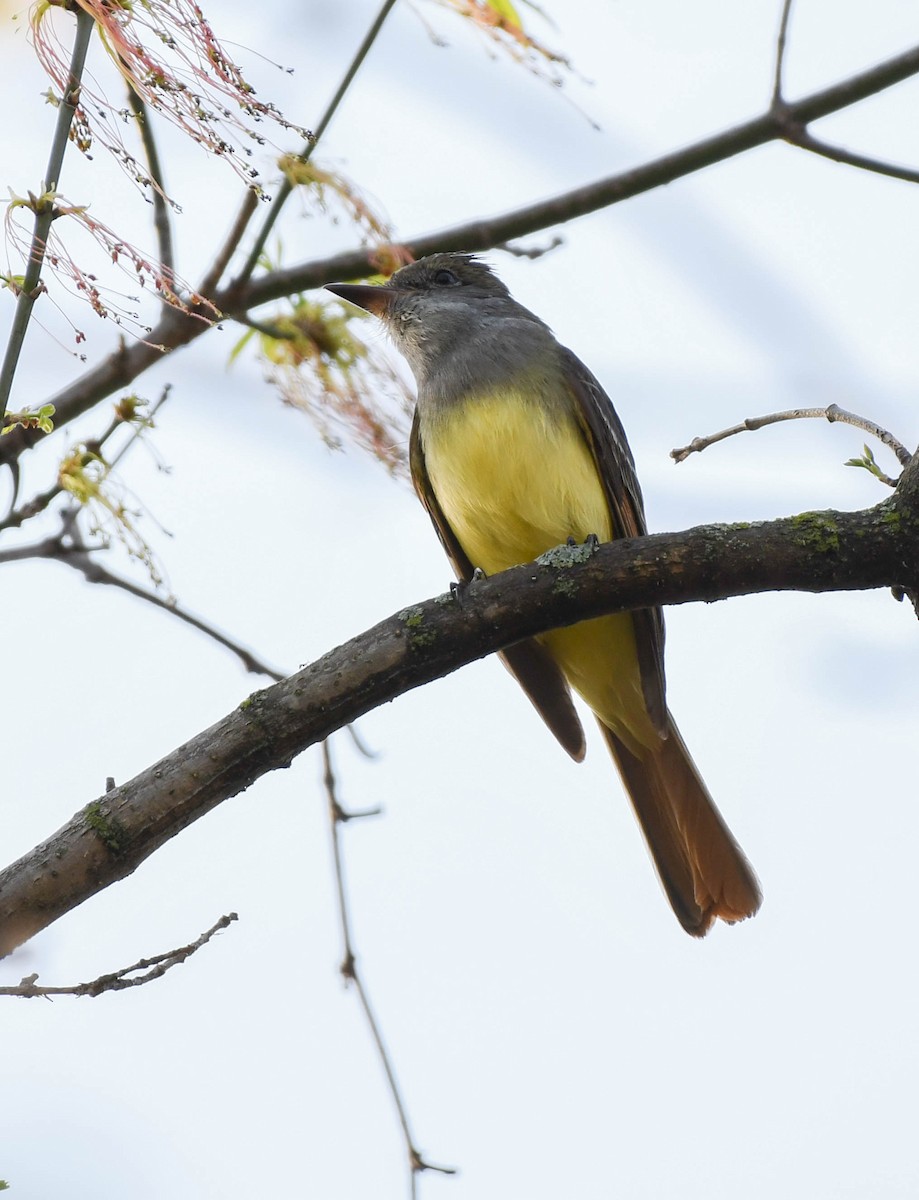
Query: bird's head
(432, 304)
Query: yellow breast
(514, 479)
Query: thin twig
(117, 981)
(39, 502)
(337, 817)
(287, 186)
(161, 223)
(68, 547)
(359, 744)
(798, 135)
(234, 237)
(780, 56)
(832, 413)
(44, 208)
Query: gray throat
(453, 361)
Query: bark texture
(109, 837)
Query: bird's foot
(591, 542)
(459, 588)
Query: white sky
(554, 1031)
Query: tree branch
(488, 232)
(177, 329)
(798, 135)
(68, 547)
(287, 186)
(125, 977)
(222, 259)
(832, 413)
(338, 817)
(44, 207)
(17, 517)
(161, 223)
(109, 838)
(94, 572)
(780, 46)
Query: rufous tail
(704, 872)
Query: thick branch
(488, 232)
(176, 329)
(110, 837)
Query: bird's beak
(377, 300)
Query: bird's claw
(459, 587)
(591, 541)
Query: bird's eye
(445, 278)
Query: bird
(516, 448)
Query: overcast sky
(554, 1031)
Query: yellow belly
(514, 480)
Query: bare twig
(359, 744)
(211, 280)
(161, 223)
(126, 977)
(798, 135)
(94, 572)
(44, 208)
(38, 503)
(67, 547)
(780, 55)
(287, 186)
(831, 414)
(337, 817)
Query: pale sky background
(554, 1031)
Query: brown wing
(530, 664)
(616, 467)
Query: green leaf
(30, 420)
(867, 462)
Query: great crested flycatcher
(515, 448)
